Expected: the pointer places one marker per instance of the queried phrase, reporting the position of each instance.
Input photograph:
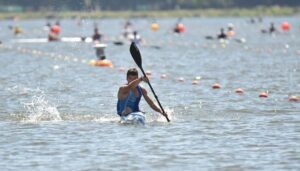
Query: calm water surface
(59, 113)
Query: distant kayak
(100, 45)
(238, 40)
(135, 118)
(101, 63)
(62, 39)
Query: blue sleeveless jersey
(130, 101)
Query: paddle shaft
(155, 95)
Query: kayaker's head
(222, 30)
(132, 74)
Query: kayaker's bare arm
(125, 89)
(150, 101)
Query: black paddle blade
(136, 55)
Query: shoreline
(232, 12)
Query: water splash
(160, 118)
(106, 118)
(40, 110)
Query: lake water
(59, 113)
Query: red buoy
(263, 94)
(239, 90)
(285, 26)
(181, 27)
(216, 86)
(55, 29)
(194, 82)
(293, 98)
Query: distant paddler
(222, 35)
(136, 38)
(101, 57)
(271, 30)
(53, 34)
(101, 61)
(97, 37)
(230, 30)
(47, 26)
(127, 29)
(100, 51)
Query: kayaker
(127, 29)
(135, 37)
(100, 52)
(272, 28)
(129, 95)
(222, 35)
(230, 30)
(97, 36)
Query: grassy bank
(258, 11)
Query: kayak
(63, 39)
(135, 118)
(100, 45)
(101, 63)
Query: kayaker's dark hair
(133, 72)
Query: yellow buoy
(154, 26)
(17, 30)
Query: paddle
(136, 55)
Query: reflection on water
(58, 112)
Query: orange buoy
(162, 76)
(180, 79)
(55, 29)
(293, 98)
(216, 86)
(101, 63)
(154, 26)
(17, 30)
(285, 26)
(194, 82)
(263, 94)
(239, 90)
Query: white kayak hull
(136, 118)
(62, 39)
